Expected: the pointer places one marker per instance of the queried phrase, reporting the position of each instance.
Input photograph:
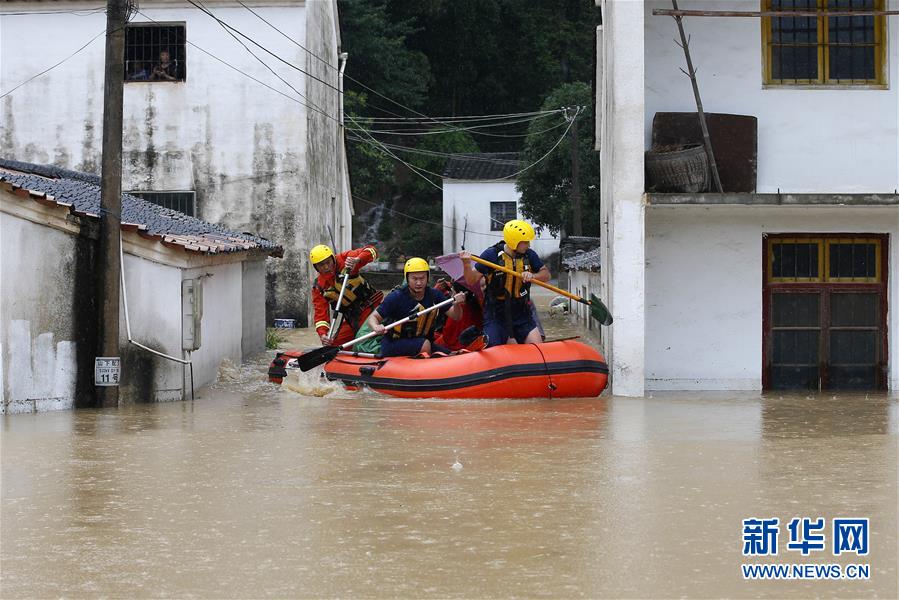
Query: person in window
(507, 311)
(359, 297)
(139, 71)
(416, 336)
(165, 69)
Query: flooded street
(253, 490)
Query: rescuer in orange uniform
(359, 297)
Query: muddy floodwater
(255, 490)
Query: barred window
(181, 201)
(500, 212)
(823, 50)
(155, 52)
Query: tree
(380, 57)
(546, 187)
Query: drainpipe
(128, 324)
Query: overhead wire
(264, 64)
(48, 69)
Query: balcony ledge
(748, 199)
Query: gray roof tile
(81, 192)
(483, 166)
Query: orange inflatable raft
(562, 369)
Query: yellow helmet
(416, 265)
(517, 231)
(320, 253)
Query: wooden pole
(691, 73)
(108, 262)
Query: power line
(47, 70)
(264, 64)
(263, 48)
(408, 216)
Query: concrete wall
(809, 140)
(620, 98)
(259, 160)
(47, 311)
(472, 199)
(38, 324)
(584, 283)
(704, 288)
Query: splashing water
(311, 383)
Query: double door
(824, 313)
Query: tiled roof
(485, 166)
(580, 253)
(80, 192)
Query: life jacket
(501, 286)
(357, 293)
(422, 326)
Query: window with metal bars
(181, 201)
(824, 50)
(500, 212)
(155, 52)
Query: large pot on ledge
(677, 169)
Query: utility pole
(575, 178)
(107, 364)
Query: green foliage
(546, 187)
(379, 56)
(371, 171)
(455, 142)
(274, 337)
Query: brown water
(258, 491)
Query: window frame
(158, 25)
(193, 198)
(501, 223)
(881, 71)
(824, 242)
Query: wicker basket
(685, 170)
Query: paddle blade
(600, 311)
(314, 358)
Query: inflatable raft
(562, 369)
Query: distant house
(789, 277)
(254, 144)
(194, 291)
(479, 196)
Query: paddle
(452, 264)
(319, 356)
(337, 319)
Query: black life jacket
(357, 293)
(423, 326)
(502, 287)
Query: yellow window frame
(772, 242)
(823, 31)
(853, 240)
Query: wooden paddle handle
(548, 286)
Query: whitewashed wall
(37, 331)
(704, 288)
(824, 140)
(241, 146)
(472, 199)
(44, 319)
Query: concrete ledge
(746, 199)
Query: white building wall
(241, 146)
(47, 319)
(37, 331)
(472, 199)
(620, 109)
(809, 140)
(704, 288)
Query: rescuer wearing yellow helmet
(507, 307)
(415, 295)
(359, 297)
